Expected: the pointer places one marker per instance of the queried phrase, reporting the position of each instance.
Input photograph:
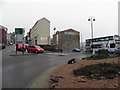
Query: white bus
(111, 43)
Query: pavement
(13, 53)
(44, 77)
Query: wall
(41, 32)
(67, 40)
(3, 34)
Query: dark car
(35, 48)
(21, 47)
(76, 50)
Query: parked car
(76, 50)
(26, 45)
(35, 48)
(0, 46)
(21, 47)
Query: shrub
(101, 54)
(98, 71)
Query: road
(18, 71)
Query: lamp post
(92, 19)
(54, 30)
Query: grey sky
(63, 14)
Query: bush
(98, 71)
(101, 54)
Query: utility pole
(81, 42)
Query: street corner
(58, 54)
(13, 53)
(63, 54)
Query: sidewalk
(57, 53)
(13, 53)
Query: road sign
(19, 31)
(19, 38)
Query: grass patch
(99, 71)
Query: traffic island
(99, 71)
(88, 80)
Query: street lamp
(92, 19)
(54, 30)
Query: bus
(110, 43)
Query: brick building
(66, 40)
(11, 38)
(3, 35)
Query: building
(28, 37)
(40, 32)
(3, 35)
(66, 40)
(11, 38)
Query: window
(111, 38)
(112, 45)
(96, 46)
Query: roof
(2, 26)
(69, 30)
(40, 20)
(103, 37)
(44, 18)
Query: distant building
(11, 38)
(8, 38)
(66, 40)
(40, 32)
(3, 35)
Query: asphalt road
(18, 71)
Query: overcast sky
(63, 14)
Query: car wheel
(37, 52)
(73, 50)
(28, 51)
(23, 50)
(41, 52)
